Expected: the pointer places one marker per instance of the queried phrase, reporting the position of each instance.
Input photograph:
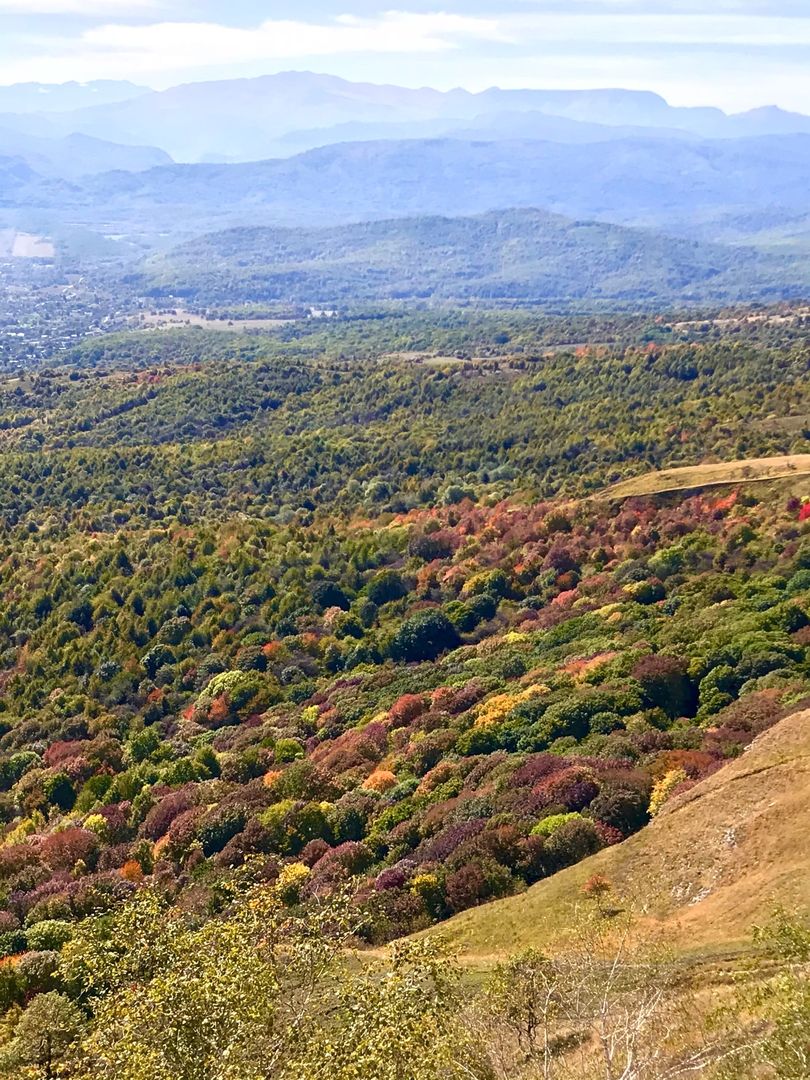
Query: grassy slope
(715, 861)
(692, 477)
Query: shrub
(157, 657)
(406, 709)
(621, 807)
(59, 791)
(219, 826)
(386, 586)
(573, 841)
(428, 888)
(11, 943)
(290, 881)
(666, 685)
(38, 972)
(424, 637)
(664, 788)
(159, 819)
(48, 935)
(430, 547)
(327, 594)
(63, 850)
(380, 780)
(574, 788)
(174, 630)
(476, 883)
(547, 826)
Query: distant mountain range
(524, 255)
(717, 189)
(36, 97)
(74, 156)
(252, 119)
(315, 151)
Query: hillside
(309, 637)
(628, 180)
(714, 862)
(348, 616)
(695, 477)
(528, 254)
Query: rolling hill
(637, 181)
(516, 254)
(714, 862)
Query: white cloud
(581, 43)
(649, 28)
(183, 44)
(113, 48)
(103, 8)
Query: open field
(716, 861)
(691, 477)
(180, 317)
(763, 318)
(19, 245)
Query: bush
(573, 841)
(622, 807)
(666, 685)
(327, 594)
(48, 935)
(59, 791)
(287, 750)
(476, 883)
(549, 825)
(38, 972)
(12, 942)
(220, 826)
(664, 788)
(424, 637)
(385, 587)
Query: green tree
(238, 997)
(45, 1038)
(424, 637)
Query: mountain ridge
(242, 119)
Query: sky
(737, 54)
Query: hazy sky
(733, 53)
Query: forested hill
(514, 254)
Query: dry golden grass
(715, 862)
(693, 477)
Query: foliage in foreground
(271, 992)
